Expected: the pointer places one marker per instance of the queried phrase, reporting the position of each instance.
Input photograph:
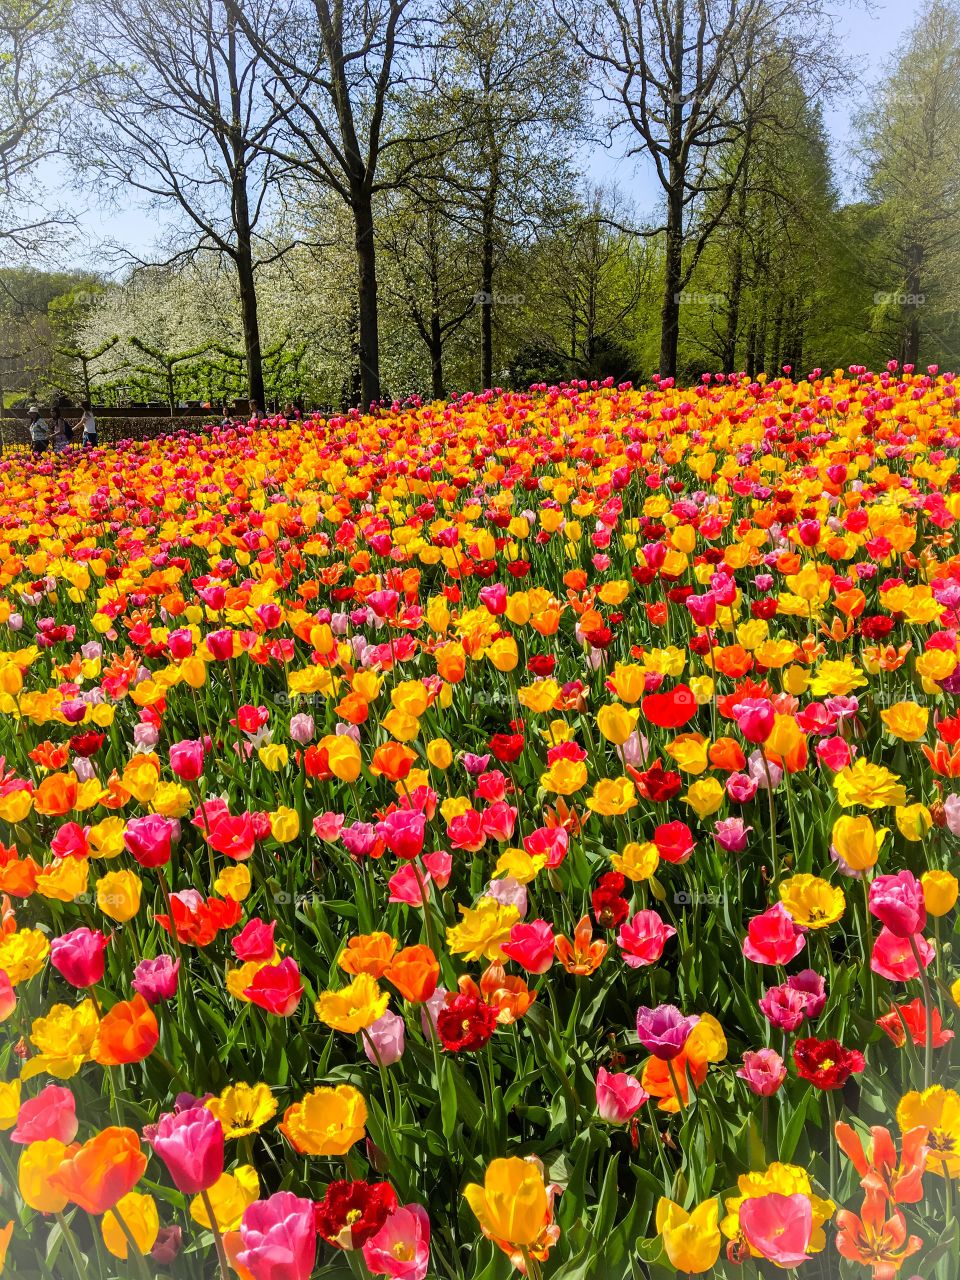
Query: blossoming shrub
(507, 835)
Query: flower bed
(510, 835)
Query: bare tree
(35, 92)
(178, 113)
(433, 272)
(516, 86)
(338, 71)
(676, 72)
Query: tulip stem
(832, 1139)
(676, 1085)
(133, 1249)
(773, 816)
(667, 1175)
(532, 1265)
(868, 938)
(76, 1256)
(217, 1237)
(928, 1012)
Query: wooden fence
(113, 427)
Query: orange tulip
(370, 953)
(102, 1171)
(128, 1033)
(451, 663)
(726, 754)
(18, 876)
(733, 660)
(658, 1082)
(392, 761)
(511, 997)
(353, 708)
(56, 794)
(415, 973)
(583, 956)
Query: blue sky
(872, 38)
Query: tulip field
(510, 835)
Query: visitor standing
(39, 430)
(88, 426)
(61, 432)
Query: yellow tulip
(140, 1216)
(512, 1204)
(691, 1240)
(940, 890)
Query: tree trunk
(736, 267)
(251, 325)
(673, 266)
(911, 345)
(777, 337)
(436, 355)
(752, 349)
(368, 349)
(486, 302)
(240, 210)
(672, 276)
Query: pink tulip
(402, 832)
(302, 728)
(156, 979)
(897, 902)
(277, 988)
(8, 997)
(440, 867)
(772, 937)
(741, 788)
(255, 941)
(703, 609)
(783, 1007)
(619, 1096)
(51, 1114)
(834, 753)
(78, 956)
(531, 946)
(951, 807)
(384, 1040)
(430, 1009)
(408, 886)
(186, 759)
(893, 956)
(220, 644)
(181, 643)
(731, 834)
(499, 820)
(401, 1248)
(149, 839)
(643, 938)
(279, 1238)
(764, 1071)
(553, 842)
(812, 987)
(664, 1031)
(755, 717)
(327, 826)
(778, 1227)
(190, 1144)
(509, 893)
(384, 603)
